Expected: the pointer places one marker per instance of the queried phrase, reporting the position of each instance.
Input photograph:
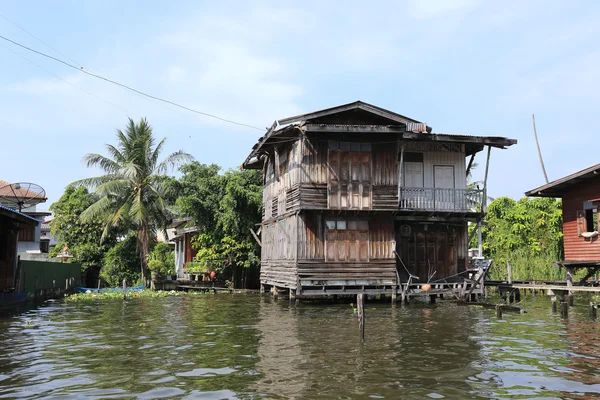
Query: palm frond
(172, 161)
(94, 182)
(104, 163)
(118, 187)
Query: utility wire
(76, 62)
(128, 87)
(37, 38)
(65, 81)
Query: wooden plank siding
(279, 252)
(428, 248)
(299, 251)
(577, 247)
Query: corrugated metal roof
(19, 213)
(558, 186)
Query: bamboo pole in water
(360, 305)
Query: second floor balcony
(436, 199)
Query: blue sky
(463, 66)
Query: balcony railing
(430, 199)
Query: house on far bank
(580, 194)
(47, 239)
(357, 198)
(181, 233)
(30, 246)
(11, 224)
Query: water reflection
(245, 346)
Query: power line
(128, 87)
(37, 38)
(67, 82)
(74, 61)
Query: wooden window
(587, 219)
(283, 163)
(443, 176)
(349, 183)
(26, 233)
(347, 240)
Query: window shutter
(581, 223)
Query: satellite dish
(22, 195)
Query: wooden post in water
(571, 300)
(564, 309)
(593, 310)
(498, 311)
(569, 279)
(360, 305)
(98, 283)
(124, 289)
(432, 298)
(554, 304)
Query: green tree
(528, 232)
(224, 206)
(122, 261)
(134, 190)
(82, 238)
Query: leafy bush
(122, 262)
(161, 259)
(527, 232)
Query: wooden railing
(430, 199)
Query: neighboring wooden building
(12, 224)
(182, 234)
(357, 197)
(580, 194)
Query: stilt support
(360, 305)
(564, 309)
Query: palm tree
(132, 193)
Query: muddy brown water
(245, 346)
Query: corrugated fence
(47, 278)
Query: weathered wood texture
(426, 249)
(577, 247)
(282, 176)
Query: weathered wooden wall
(279, 252)
(281, 191)
(428, 248)
(577, 247)
(385, 176)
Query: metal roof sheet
(10, 210)
(558, 186)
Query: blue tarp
(103, 290)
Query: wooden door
(443, 181)
(427, 251)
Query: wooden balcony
(445, 200)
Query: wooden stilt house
(580, 194)
(357, 198)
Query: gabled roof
(361, 118)
(392, 117)
(558, 187)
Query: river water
(247, 346)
